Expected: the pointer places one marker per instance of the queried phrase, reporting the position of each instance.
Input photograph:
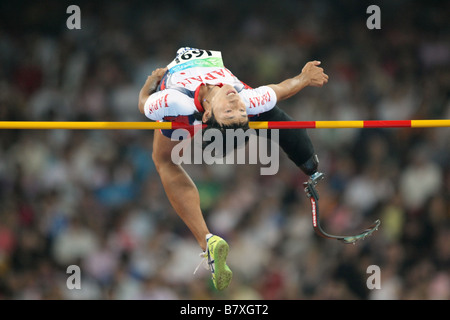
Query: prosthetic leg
(298, 146)
(313, 196)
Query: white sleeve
(259, 100)
(168, 102)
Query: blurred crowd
(92, 198)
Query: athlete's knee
(311, 165)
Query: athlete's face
(228, 106)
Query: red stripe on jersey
(198, 105)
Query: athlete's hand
(314, 75)
(311, 75)
(158, 73)
(155, 78)
(150, 86)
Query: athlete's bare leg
(179, 187)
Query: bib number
(193, 54)
(195, 57)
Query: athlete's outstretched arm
(150, 86)
(311, 75)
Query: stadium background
(93, 198)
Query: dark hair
(212, 123)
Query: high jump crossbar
(98, 125)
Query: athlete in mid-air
(195, 88)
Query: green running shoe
(216, 253)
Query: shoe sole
(222, 274)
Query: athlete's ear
(206, 116)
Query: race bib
(191, 58)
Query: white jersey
(192, 68)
